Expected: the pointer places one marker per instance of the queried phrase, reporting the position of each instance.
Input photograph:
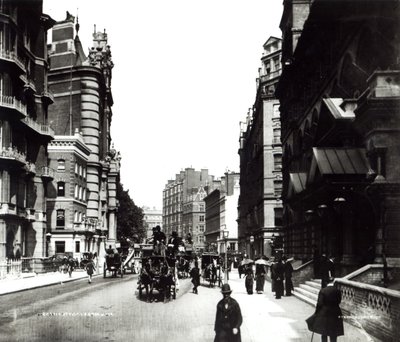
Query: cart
(157, 273)
(113, 264)
(211, 269)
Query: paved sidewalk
(268, 319)
(32, 281)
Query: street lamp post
(225, 233)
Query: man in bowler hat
(228, 319)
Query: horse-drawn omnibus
(157, 273)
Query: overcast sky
(184, 77)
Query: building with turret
(82, 196)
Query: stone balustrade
(13, 103)
(12, 153)
(10, 269)
(374, 309)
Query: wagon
(211, 269)
(113, 264)
(157, 273)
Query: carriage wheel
(104, 270)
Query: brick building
(82, 197)
(24, 130)
(183, 205)
(260, 151)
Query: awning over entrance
(338, 161)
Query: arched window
(76, 168)
(80, 193)
(76, 191)
(60, 222)
(76, 216)
(61, 189)
(84, 194)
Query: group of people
(281, 276)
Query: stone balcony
(12, 153)
(11, 103)
(30, 168)
(47, 97)
(47, 173)
(10, 56)
(39, 128)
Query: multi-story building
(221, 215)
(260, 206)
(340, 128)
(340, 103)
(24, 130)
(182, 191)
(82, 197)
(152, 217)
(193, 217)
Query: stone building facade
(152, 217)
(81, 117)
(260, 151)
(339, 94)
(183, 205)
(24, 130)
(221, 215)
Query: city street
(109, 310)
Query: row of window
(79, 169)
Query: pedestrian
(288, 276)
(71, 265)
(249, 280)
(195, 275)
(260, 278)
(90, 268)
(228, 318)
(327, 319)
(326, 270)
(278, 271)
(316, 262)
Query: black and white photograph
(199, 171)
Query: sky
(184, 77)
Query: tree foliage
(129, 217)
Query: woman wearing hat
(228, 319)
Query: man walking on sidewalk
(228, 319)
(90, 268)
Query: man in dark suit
(228, 319)
(278, 270)
(326, 270)
(328, 320)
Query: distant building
(24, 130)
(260, 206)
(152, 217)
(183, 206)
(221, 215)
(82, 201)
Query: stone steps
(308, 292)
